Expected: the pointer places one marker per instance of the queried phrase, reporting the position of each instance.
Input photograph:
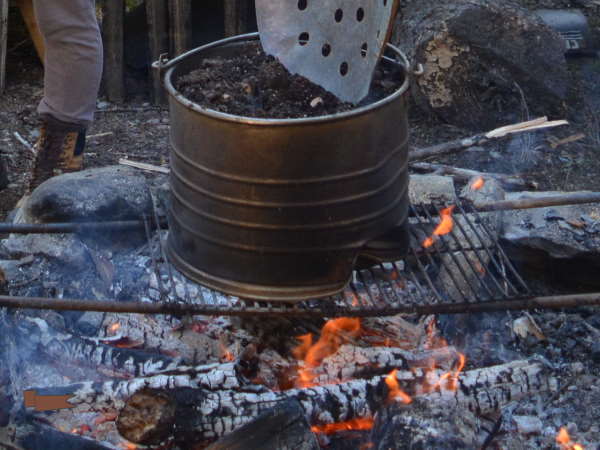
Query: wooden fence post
(180, 29)
(236, 16)
(3, 37)
(157, 17)
(114, 76)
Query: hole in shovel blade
(360, 14)
(339, 15)
(363, 50)
(344, 69)
(303, 38)
(326, 50)
(302, 4)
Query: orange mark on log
(444, 227)
(396, 394)
(354, 424)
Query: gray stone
(528, 424)
(560, 232)
(431, 188)
(108, 193)
(67, 249)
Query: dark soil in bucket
(258, 85)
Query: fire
(362, 423)
(478, 184)
(128, 445)
(114, 327)
(396, 394)
(564, 441)
(226, 354)
(334, 333)
(444, 227)
(81, 430)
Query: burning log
(91, 352)
(509, 182)
(203, 415)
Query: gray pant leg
(73, 63)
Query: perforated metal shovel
(334, 43)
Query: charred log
(283, 427)
(203, 415)
(481, 58)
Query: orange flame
(362, 423)
(114, 327)
(564, 440)
(128, 445)
(444, 227)
(478, 184)
(334, 333)
(396, 394)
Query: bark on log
(202, 415)
(482, 60)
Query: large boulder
(104, 194)
(484, 61)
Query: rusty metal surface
(279, 209)
(334, 43)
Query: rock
(431, 188)
(482, 60)
(528, 424)
(108, 193)
(563, 239)
(67, 249)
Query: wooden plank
(236, 16)
(114, 75)
(180, 26)
(26, 7)
(157, 13)
(3, 37)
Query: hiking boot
(59, 150)
(389, 247)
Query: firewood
(203, 415)
(509, 182)
(459, 145)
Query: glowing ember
(354, 424)
(128, 445)
(564, 441)
(114, 328)
(396, 394)
(226, 354)
(444, 227)
(478, 184)
(334, 333)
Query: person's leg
(73, 62)
(72, 74)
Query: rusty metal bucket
(278, 209)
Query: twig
(22, 140)
(459, 145)
(94, 136)
(144, 166)
(574, 198)
(507, 181)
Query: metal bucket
(278, 209)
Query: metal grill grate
(466, 266)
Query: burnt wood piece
(483, 60)
(114, 71)
(203, 415)
(508, 182)
(157, 13)
(3, 38)
(30, 434)
(236, 17)
(180, 29)
(283, 427)
(424, 424)
(74, 350)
